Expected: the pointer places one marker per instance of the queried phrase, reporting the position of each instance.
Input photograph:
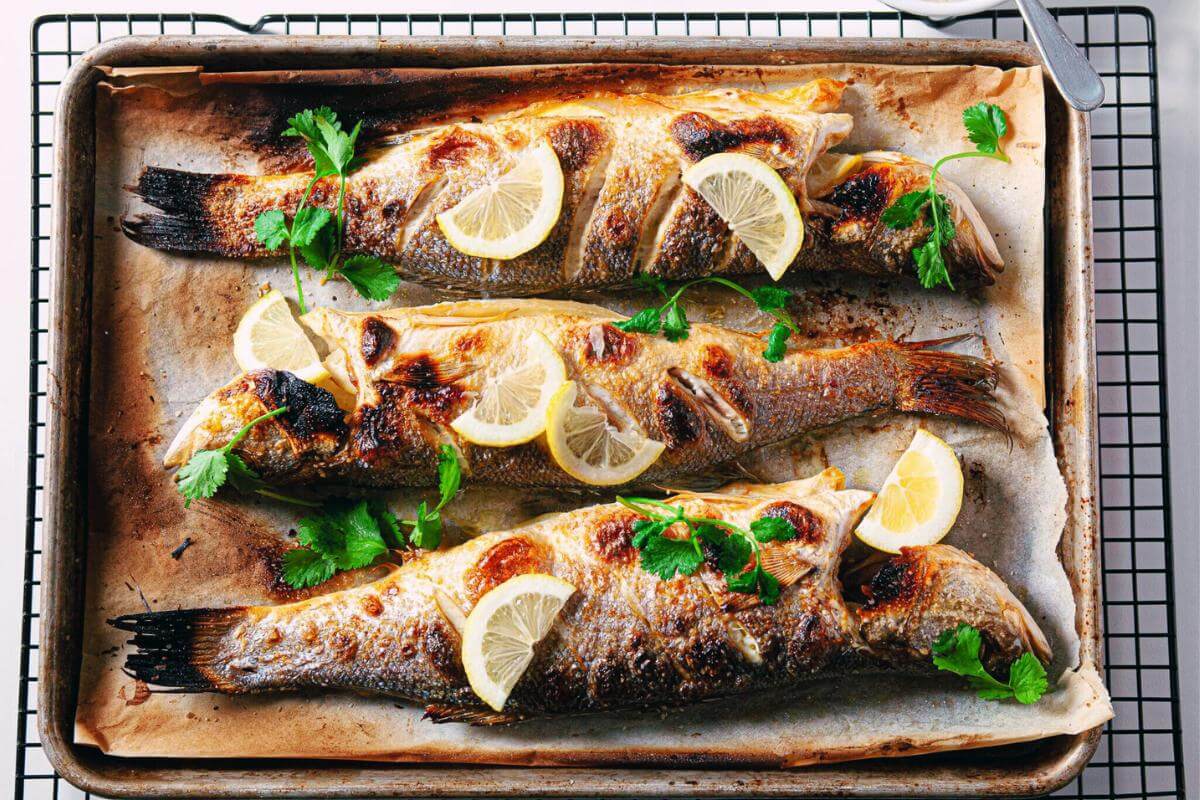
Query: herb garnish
(986, 125)
(311, 233)
(671, 319)
(665, 556)
(957, 651)
(348, 534)
(208, 470)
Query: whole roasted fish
(708, 399)
(625, 210)
(625, 639)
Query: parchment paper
(162, 332)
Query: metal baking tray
(1026, 769)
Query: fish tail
(182, 198)
(948, 384)
(179, 648)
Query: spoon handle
(1075, 77)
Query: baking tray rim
(1069, 325)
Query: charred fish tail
(183, 223)
(179, 648)
(948, 384)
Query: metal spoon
(1075, 77)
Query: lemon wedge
(755, 203)
(502, 629)
(512, 403)
(919, 500)
(591, 449)
(511, 215)
(269, 337)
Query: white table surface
(1179, 72)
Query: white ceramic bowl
(941, 9)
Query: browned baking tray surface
(1032, 768)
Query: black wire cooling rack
(1140, 754)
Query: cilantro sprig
(671, 319)
(957, 650)
(986, 125)
(208, 470)
(736, 547)
(313, 232)
(347, 534)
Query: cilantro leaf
(306, 223)
(202, 475)
(427, 530)
(777, 342)
(906, 210)
(362, 541)
(344, 535)
(322, 250)
(675, 327)
(772, 529)
(449, 475)
(303, 567)
(768, 588)
(372, 278)
(986, 125)
(770, 298)
(664, 557)
(1027, 677)
(652, 283)
(645, 321)
(337, 144)
(240, 476)
(389, 526)
(931, 265)
(957, 650)
(735, 554)
(304, 124)
(646, 529)
(271, 229)
(744, 582)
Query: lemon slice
(919, 500)
(829, 170)
(590, 448)
(511, 408)
(511, 215)
(501, 631)
(269, 337)
(755, 203)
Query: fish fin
(184, 224)
(176, 648)
(472, 716)
(783, 563)
(948, 384)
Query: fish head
(924, 591)
(311, 428)
(854, 190)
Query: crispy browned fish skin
(708, 399)
(625, 639)
(624, 211)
